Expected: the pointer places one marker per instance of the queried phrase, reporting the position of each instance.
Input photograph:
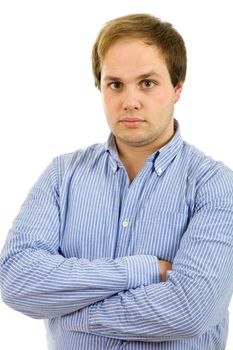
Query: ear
(178, 90)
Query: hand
(164, 266)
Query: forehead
(127, 56)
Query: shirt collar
(160, 159)
(168, 152)
(111, 148)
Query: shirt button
(159, 171)
(125, 223)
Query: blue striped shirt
(83, 251)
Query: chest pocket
(159, 234)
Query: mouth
(132, 122)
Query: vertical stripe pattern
(83, 251)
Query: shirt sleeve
(198, 290)
(38, 281)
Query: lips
(131, 122)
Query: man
(128, 244)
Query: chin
(134, 141)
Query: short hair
(152, 31)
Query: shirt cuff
(142, 270)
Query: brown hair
(153, 32)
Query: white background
(49, 106)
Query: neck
(134, 153)
(133, 158)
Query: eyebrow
(142, 76)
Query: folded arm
(40, 282)
(197, 292)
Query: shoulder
(66, 164)
(206, 171)
(80, 155)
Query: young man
(128, 244)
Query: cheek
(105, 102)
(110, 103)
(106, 97)
(156, 103)
(165, 100)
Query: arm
(40, 282)
(197, 292)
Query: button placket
(130, 202)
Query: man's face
(138, 95)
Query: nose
(131, 101)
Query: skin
(164, 267)
(138, 100)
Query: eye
(148, 84)
(115, 85)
